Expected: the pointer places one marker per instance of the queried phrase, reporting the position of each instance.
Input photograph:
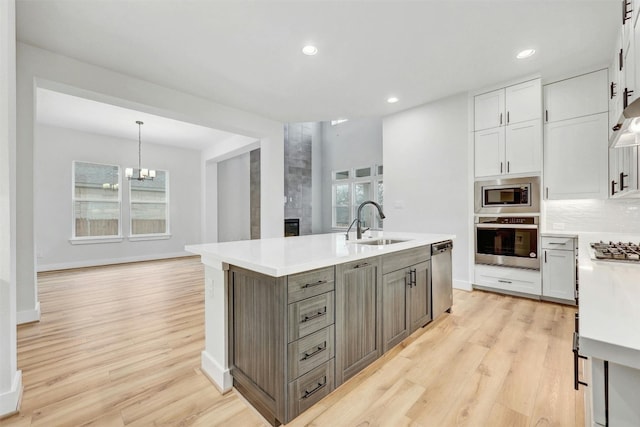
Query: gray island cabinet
(287, 320)
(293, 339)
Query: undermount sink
(379, 242)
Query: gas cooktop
(617, 251)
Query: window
(149, 205)
(351, 188)
(96, 200)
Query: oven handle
(494, 225)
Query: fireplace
(291, 227)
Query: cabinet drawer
(397, 260)
(310, 315)
(310, 283)
(310, 388)
(509, 279)
(310, 352)
(563, 243)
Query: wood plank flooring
(120, 346)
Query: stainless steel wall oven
(509, 241)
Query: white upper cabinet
(616, 85)
(576, 97)
(575, 158)
(514, 104)
(523, 147)
(489, 110)
(489, 152)
(523, 102)
(508, 130)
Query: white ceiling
(67, 111)
(246, 54)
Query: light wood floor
(120, 345)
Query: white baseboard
(10, 400)
(219, 376)
(28, 316)
(109, 261)
(462, 285)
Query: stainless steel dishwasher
(441, 281)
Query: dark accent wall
(254, 189)
(297, 174)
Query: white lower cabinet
(511, 280)
(612, 393)
(559, 268)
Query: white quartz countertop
(609, 303)
(281, 256)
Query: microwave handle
(494, 225)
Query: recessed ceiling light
(526, 53)
(392, 100)
(309, 50)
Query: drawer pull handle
(557, 243)
(310, 285)
(364, 264)
(316, 389)
(308, 318)
(505, 281)
(318, 349)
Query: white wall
(234, 219)
(38, 67)
(353, 143)
(55, 150)
(10, 377)
(426, 175)
(609, 216)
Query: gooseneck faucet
(359, 229)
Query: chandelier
(143, 174)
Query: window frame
(151, 236)
(78, 240)
(352, 181)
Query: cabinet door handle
(413, 276)
(546, 115)
(308, 318)
(576, 356)
(625, 98)
(546, 190)
(500, 167)
(321, 384)
(504, 281)
(620, 59)
(507, 117)
(508, 166)
(626, 11)
(613, 187)
(310, 285)
(622, 177)
(545, 256)
(319, 349)
(612, 90)
(500, 119)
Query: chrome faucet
(359, 229)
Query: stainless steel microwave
(508, 195)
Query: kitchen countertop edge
(335, 249)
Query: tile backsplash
(612, 216)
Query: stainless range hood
(626, 132)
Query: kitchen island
(289, 319)
(609, 332)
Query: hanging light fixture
(143, 174)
